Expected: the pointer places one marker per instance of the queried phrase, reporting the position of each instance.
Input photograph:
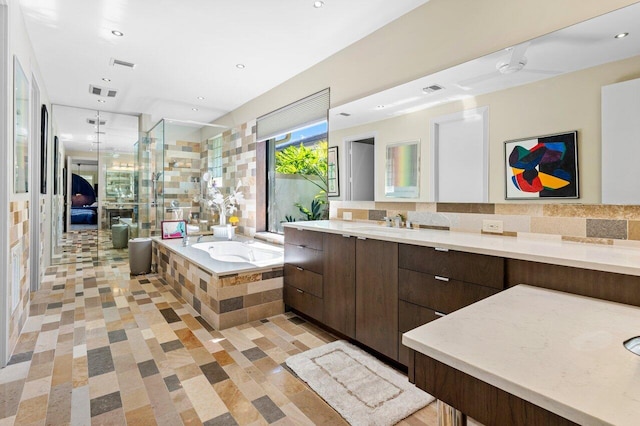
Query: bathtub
(255, 253)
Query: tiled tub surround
(600, 224)
(223, 293)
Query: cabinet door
(340, 283)
(377, 295)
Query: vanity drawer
(304, 257)
(440, 293)
(303, 302)
(307, 281)
(468, 267)
(411, 316)
(304, 238)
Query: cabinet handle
(346, 236)
(300, 229)
(299, 268)
(440, 314)
(362, 238)
(441, 249)
(439, 278)
(301, 292)
(301, 246)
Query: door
(339, 284)
(35, 226)
(460, 157)
(377, 295)
(360, 170)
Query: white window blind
(302, 113)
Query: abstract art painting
(542, 167)
(402, 170)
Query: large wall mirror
(548, 85)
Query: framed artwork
(44, 127)
(542, 167)
(402, 170)
(20, 129)
(55, 166)
(333, 181)
(173, 229)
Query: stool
(119, 235)
(140, 256)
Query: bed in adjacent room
(84, 207)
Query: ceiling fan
(515, 62)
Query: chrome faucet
(199, 238)
(185, 240)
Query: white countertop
(624, 260)
(559, 351)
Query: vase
(223, 216)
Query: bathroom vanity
(373, 284)
(533, 356)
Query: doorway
(360, 180)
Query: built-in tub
(227, 282)
(255, 253)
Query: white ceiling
(580, 46)
(189, 48)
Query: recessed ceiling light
(621, 35)
(194, 109)
(106, 79)
(380, 106)
(318, 4)
(101, 101)
(200, 97)
(241, 66)
(117, 33)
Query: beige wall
(433, 37)
(555, 105)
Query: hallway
(103, 347)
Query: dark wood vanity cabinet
(340, 283)
(377, 295)
(303, 268)
(372, 291)
(433, 282)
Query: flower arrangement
(224, 204)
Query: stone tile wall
(224, 301)
(239, 163)
(600, 224)
(19, 235)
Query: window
(296, 161)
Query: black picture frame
(333, 179)
(55, 166)
(542, 167)
(44, 130)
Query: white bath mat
(358, 386)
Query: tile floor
(103, 347)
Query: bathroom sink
(633, 345)
(380, 229)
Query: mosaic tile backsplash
(600, 224)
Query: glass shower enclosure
(173, 157)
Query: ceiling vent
(94, 121)
(432, 88)
(115, 62)
(102, 91)
(345, 114)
